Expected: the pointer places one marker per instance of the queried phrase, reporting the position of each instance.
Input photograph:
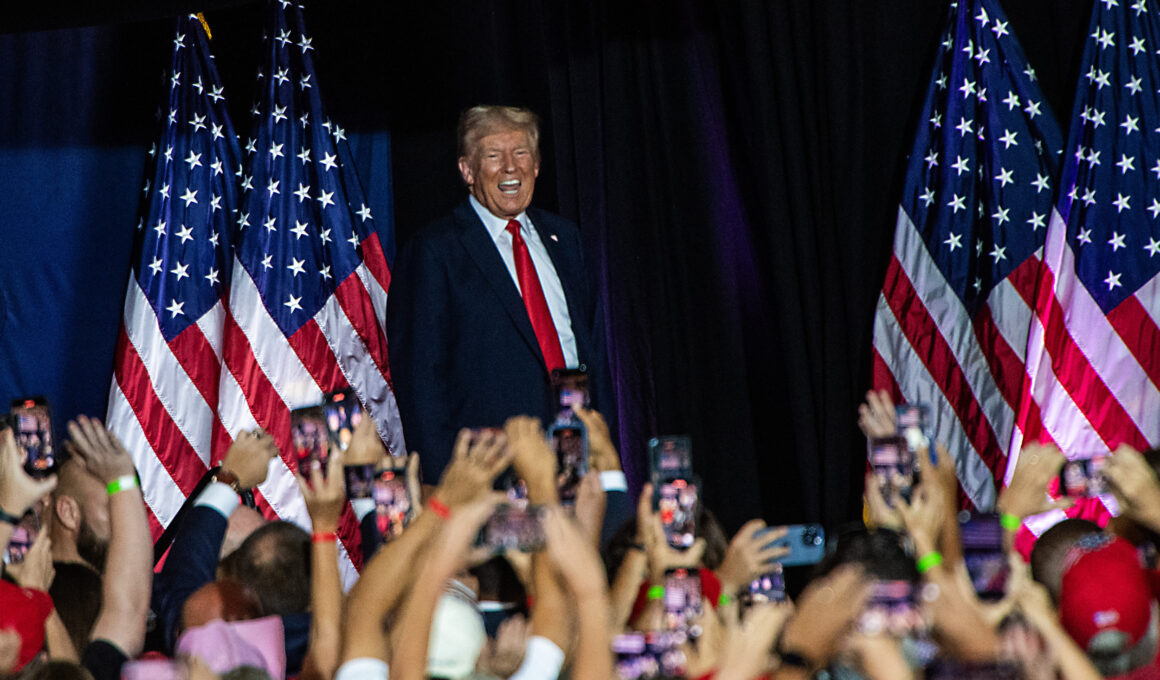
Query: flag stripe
(162, 495)
(1141, 337)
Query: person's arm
(325, 498)
(1071, 661)
(1026, 495)
(749, 555)
(389, 575)
(825, 611)
(577, 561)
(446, 557)
(128, 576)
(193, 558)
(36, 573)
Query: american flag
(164, 396)
(309, 287)
(1093, 361)
(954, 319)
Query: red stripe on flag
(376, 260)
(883, 379)
(314, 352)
(932, 349)
(1139, 332)
(196, 356)
(356, 303)
(267, 407)
(1069, 364)
(164, 437)
(155, 528)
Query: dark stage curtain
(735, 167)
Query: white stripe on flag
(161, 493)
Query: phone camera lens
(810, 537)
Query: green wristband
(1010, 522)
(656, 592)
(929, 561)
(122, 483)
(724, 600)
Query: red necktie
(534, 300)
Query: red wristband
(323, 537)
(441, 511)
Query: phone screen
(892, 464)
(683, 602)
(571, 386)
(671, 456)
(393, 507)
(23, 536)
(32, 425)
(570, 442)
(914, 426)
(982, 537)
(360, 480)
(893, 610)
(676, 502)
(514, 528)
(769, 587)
(1082, 477)
(343, 414)
(310, 438)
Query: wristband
(724, 600)
(656, 592)
(9, 519)
(1010, 522)
(441, 511)
(929, 561)
(790, 658)
(122, 483)
(323, 537)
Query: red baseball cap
(24, 611)
(1105, 601)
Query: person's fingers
(462, 443)
(316, 477)
(772, 553)
(334, 475)
(644, 502)
(747, 531)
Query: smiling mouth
(510, 187)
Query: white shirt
(545, 271)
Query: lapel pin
(555, 238)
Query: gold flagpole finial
(205, 25)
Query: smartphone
(571, 388)
(914, 426)
(893, 466)
(32, 425)
(309, 438)
(514, 528)
(651, 655)
(394, 508)
(769, 587)
(343, 414)
(893, 609)
(670, 457)
(1082, 476)
(982, 538)
(683, 602)
(806, 543)
(570, 442)
(360, 480)
(23, 536)
(675, 500)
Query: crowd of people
(600, 592)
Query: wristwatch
(229, 479)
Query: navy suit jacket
(462, 349)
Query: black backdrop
(734, 166)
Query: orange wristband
(441, 511)
(323, 537)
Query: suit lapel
(479, 246)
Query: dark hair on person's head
(56, 670)
(246, 673)
(76, 593)
(1051, 548)
(274, 561)
(880, 553)
(480, 121)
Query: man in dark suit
(485, 302)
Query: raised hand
(602, 455)
(1134, 484)
(325, 495)
(18, 491)
(876, 417)
(1027, 495)
(749, 555)
(248, 458)
(474, 466)
(100, 450)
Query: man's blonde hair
(480, 121)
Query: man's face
(502, 172)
